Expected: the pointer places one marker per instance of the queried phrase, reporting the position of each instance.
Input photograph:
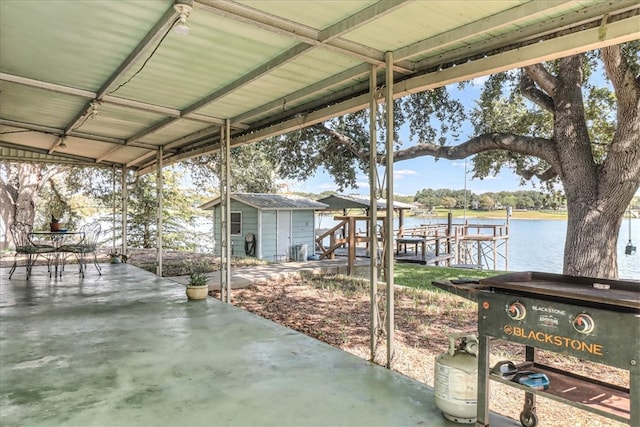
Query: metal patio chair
(21, 234)
(85, 247)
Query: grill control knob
(516, 310)
(583, 323)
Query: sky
(411, 176)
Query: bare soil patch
(336, 311)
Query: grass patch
(500, 214)
(420, 277)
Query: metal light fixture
(93, 109)
(184, 10)
(629, 249)
(62, 143)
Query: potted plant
(54, 224)
(197, 287)
(114, 256)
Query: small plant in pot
(54, 225)
(197, 287)
(114, 257)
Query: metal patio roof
(343, 201)
(109, 83)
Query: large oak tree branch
(545, 175)
(531, 146)
(543, 78)
(625, 84)
(351, 145)
(621, 168)
(531, 92)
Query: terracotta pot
(55, 226)
(197, 292)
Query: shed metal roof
(108, 82)
(264, 201)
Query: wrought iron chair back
(86, 246)
(20, 232)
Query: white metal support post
(389, 214)
(159, 185)
(113, 208)
(124, 208)
(374, 267)
(225, 213)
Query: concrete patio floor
(127, 349)
(244, 276)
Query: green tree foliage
(573, 121)
(449, 202)
(180, 213)
(521, 199)
(486, 202)
(252, 170)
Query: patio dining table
(55, 239)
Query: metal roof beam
(308, 91)
(262, 70)
(114, 100)
(304, 33)
(72, 158)
(258, 72)
(271, 23)
(59, 133)
(152, 38)
(353, 73)
(52, 87)
(483, 26)
(148, 42)
(371, 13)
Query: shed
(283, 226)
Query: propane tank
(456, 379)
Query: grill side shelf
(579, 392)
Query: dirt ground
(337, 312)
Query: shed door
(284, 234)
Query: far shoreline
(495, 215)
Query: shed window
(236, 223)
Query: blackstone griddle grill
(591, 319)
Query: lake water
(538, 245)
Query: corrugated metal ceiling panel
(313, 66)
(118, 122)
(186, 69)
(424, 18)
(174, 131)
(90, 39)
(315, 14)
(22, 104)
